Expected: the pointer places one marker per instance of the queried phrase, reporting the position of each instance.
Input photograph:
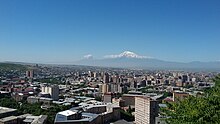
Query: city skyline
(67, 31)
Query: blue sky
(64, 31)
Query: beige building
(179, 95)
(104, 88)
(129, 99)
(146, 110)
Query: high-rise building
(52, 90)
(30, 73)
(146, 110)
(91, 74)
(95, 74)
(185, 78)
(115, 79)
(104, 88)
(116, 88)
(106, 78)
(27, 73)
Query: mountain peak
(129, 54)
(126, 54)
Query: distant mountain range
(129, 59)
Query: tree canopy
(197, 110)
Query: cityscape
(109, 62)
(96, 95)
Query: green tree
(197, 110)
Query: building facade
(52, 90)
(146, 110)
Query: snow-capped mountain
(126, 54)
(129, 59)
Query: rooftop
(131, 95)
(6, 119)
(145, 97)
(23, 116)
(122, 122)
(85, 117)
(68, 112)
(41, 98)
(40, 120)
(35, 119)
(5, 110)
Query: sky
(60, 31)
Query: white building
(52, 90)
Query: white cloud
(89, 56)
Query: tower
(146, 110)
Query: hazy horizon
(90, 57)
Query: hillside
(9, 66)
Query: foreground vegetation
(127, 115)
(197, 110)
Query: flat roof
(122, 122)
(8, 118)
(180, 92)
(5, 110)
(23, 116)
(35, 119)
(40, 119)
(28, 120)
(131, 95)
(145, 97)
(86, 117)
(68, 112)
(41, 98)
(44, 98)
